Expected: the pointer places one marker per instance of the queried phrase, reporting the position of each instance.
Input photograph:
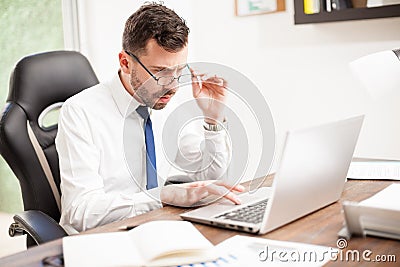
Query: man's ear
(124, 62)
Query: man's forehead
(166, 60)
(157, 57)
(172, 68)
(166, 65)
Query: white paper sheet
(252, 251)
(388, 198)
(375, 170)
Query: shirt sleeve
(203, 154)
(84, 202)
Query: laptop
(311, 175)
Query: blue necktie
(151, 166)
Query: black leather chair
(38, 84)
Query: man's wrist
(210, 121)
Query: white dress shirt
(102, 156)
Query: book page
(100, 250)
(161, 238)
(190, 258)
(157, 243)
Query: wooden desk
(319, 228)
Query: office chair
(39, 84)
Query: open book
(157, 243)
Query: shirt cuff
(143, 202)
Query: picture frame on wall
(256, 7)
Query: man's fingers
(223, 191)
(211, 84)
(196, 90)
(237, 188)
(215, 85)
(213, 89)
(216, 81)
(201, 189)
(232, 197)
(198, 183)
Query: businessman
(98, 186)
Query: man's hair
(154, 21)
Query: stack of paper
(375, 170)
(388, 198)
(378, 215)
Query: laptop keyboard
(251, 214)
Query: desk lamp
(378, 72)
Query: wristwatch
(215, 127)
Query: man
(97, 185)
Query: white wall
(101, 24)
(302, 70)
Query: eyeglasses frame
(151, 74)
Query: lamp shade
(378, 72)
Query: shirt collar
(125, 102)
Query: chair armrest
(41, 227)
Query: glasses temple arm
(141, 64)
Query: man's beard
(141, 91)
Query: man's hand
(210, 95)
(185, 195)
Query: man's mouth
(165, 98)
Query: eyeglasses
(164, 80)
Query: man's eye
(166, 73)
(157, 70)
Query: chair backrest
(38, 83)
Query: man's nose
(173, 86)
